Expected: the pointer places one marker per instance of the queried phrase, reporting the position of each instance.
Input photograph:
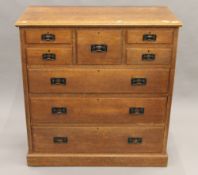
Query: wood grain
(170, 91)
(97, 139)
(149, 159)
(33, 35)
(98, 91)
(111, 38)
(63, 55)
(162, 55)
(97, 16)
(163, 35)
(97, 109)
(98, 80)
(26, 90)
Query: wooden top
(97, 16)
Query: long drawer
(91, 139)
(90, 80)
(56, 109)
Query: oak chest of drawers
(98, 84)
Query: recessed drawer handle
(98, 48)
(149, 37)
(49, 56)
(58, 81)
(148, 57)
(136, 110)
(138, 81)
(59, 110)
(135, 140)
(60, 140)
(48, 37)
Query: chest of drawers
(98, 84)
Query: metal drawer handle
(136, 110)
(58, 81)
(149, 37)
(48, 37)
(98, 48)
(59, 110)
(60, 140)
(49, 56)
(138, 81)
(148, 57)
(135, 140)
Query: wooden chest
(98, 84)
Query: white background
(183, 135)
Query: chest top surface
(97, 16)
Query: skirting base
(137, 160)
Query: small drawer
(57, 109)
(84, 80)
(99, 46)
(149, 55)
(49, 56)
(48, 35)
(116, 139)
(150, 35)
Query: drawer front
(149, 56)
(97, 110)
(49, 56)
(98, 80)
(99, 46)
(48, 35)
(150, 35)
(97, 139)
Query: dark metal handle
(148, 57)
(48, 37)
(135, 140)
(149, 37)
(60, 140)
(58, 81)
(138, 81)
(59, 110)
(49, 56)
(136, 110)
(98, 48)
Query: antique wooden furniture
(98, 84)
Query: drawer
(149, 55)
(49, 55)
(150, 35)
(48, 35)
(99, 46)
(90, 80)
(97, 139)
(56, 109)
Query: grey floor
(182, 144)
(183, 136)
